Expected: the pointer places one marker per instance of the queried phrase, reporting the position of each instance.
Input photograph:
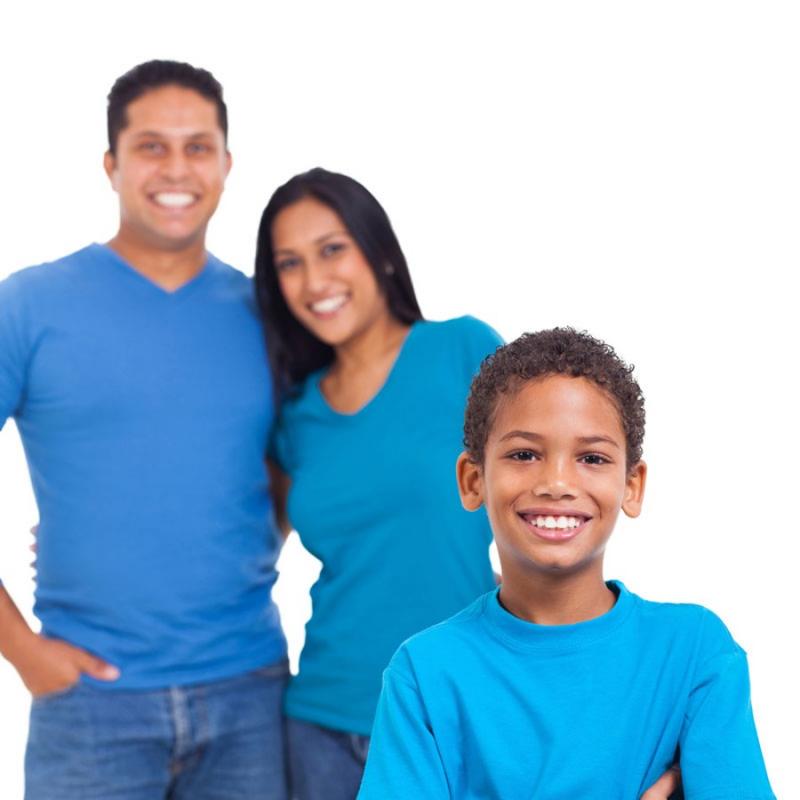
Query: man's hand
(665, 786)
(51, 665)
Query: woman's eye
(523, 455)
(594, 458)
(285, 264)
(332, 248)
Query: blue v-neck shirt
(144, 415)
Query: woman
(363, 458)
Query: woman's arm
(279, 483)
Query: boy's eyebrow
(596, 439)
(536, 437)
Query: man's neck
(168, 269)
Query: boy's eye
(523, 455)
(594, 459)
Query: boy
(558, 684)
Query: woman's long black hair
(294, 352)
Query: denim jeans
(324, 764)
(214, 741)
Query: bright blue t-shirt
(490, 706)
(373, 496)
(145, 415)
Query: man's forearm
(15, 633)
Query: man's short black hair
(153, 75)
(559, 351)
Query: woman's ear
(470, 482)
(634, 490)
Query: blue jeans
(324, 764)
(214, 741)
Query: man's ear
(634, 490)
(470, 482)
(110, 166)
(228, 162)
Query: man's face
(554, 477)
(169, 168)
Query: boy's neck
(548, 599)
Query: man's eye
(151, 147)
(594, 458)
(523, 455)
(197, 148)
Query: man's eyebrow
(162, 135)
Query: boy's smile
(554, 478)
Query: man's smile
(177, 200)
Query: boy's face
(169, 168)
(554, 477)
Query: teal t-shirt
(490, 706)
(373, 496)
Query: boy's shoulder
(441, 642)
(689, 622)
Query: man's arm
(45, 665)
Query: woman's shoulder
(465, 330)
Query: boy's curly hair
(558, 351)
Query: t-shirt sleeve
(404, 759)
(481, 340)
(720, 756)
(13, 351)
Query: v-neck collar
(109, 254)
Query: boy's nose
(555, 481)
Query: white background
(628, 168)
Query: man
(138, 379)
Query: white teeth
(560, 523)
(329, 304)
(174, 199)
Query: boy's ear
(634, 490)
(470, 482)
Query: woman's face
(325, 279)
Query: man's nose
(175, 165)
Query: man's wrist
(17, 644)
